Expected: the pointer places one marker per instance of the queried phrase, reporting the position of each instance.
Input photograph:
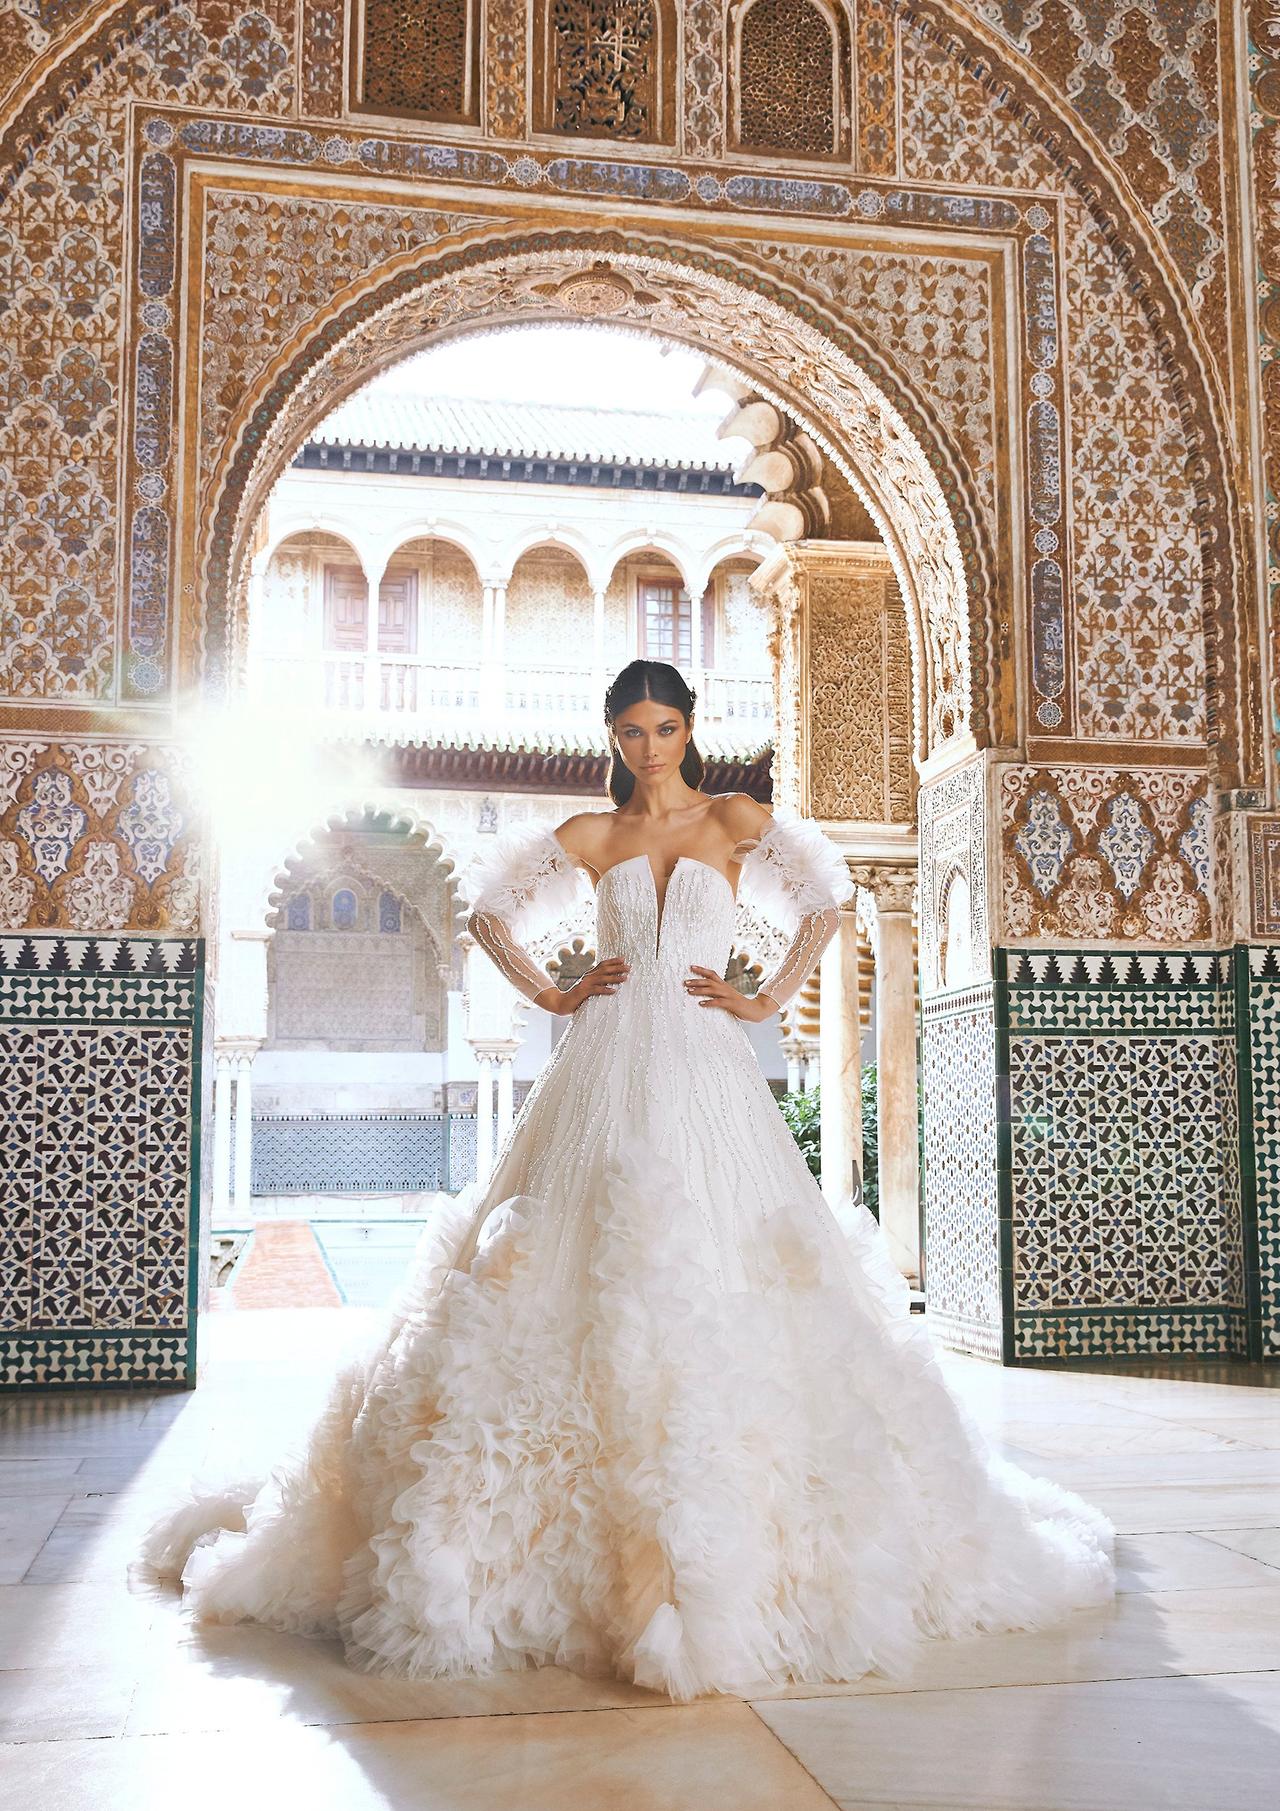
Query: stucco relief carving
(1096, 853)
(953, 878)
(97, 836)
(838, 631)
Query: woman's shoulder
(583, 833)
(740, 815)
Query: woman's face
(651, 739)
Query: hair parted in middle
(663, 684)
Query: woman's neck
(660, 798)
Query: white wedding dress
(645, 1405)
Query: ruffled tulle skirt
(700, 1444)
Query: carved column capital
(893, 889)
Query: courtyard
(111, 1700)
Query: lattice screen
(787, 78)
(608, 68)
(420, 57)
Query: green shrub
(803, 1113)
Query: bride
(645, 1405)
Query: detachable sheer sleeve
(520, 886)
(798, 879)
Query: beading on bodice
(695, 924)
(791, 873)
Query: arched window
(344, 911)
(388, 913)
(607, 69)
(298, 913)
(419, 58)
(789, 61)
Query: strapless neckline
(660, 905)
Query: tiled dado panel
(1121, 1184)
(1258, 1007)
(962, 1252)
(99, 1093)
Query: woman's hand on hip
(711, 989)
(605, 978)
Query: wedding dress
(645, 1404)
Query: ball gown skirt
(645, 1404)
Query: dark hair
(653, 679)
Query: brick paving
(283, 1268)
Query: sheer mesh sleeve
(514, 963)
(798, 879)
(522, 885)
(813, 934)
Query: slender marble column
(484, 1117)
(505, 1060)
(896, 1081)
(840, 1047)
(222, 1085)
(244, 1134)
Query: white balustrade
(738, 701)
(415, 693)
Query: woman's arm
(532, 871)
(519, 968)
(800, 878)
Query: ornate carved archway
(844, 392)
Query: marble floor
(111, 1701)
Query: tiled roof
(718, 745)
(457, 424)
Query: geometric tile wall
(1131, 1100)
(361, 1153)
(1122, 1186)
(99, 1104)
(961, 1233)
(1258, 994)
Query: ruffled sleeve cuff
(526, 878)
(794, 869)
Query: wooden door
(346, 609)
(398, 613)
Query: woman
(645, 1405)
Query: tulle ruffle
(699, 1488)
(792, 870)
(526, 878)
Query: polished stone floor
(111, 1701)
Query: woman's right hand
(605, 978)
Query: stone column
(695, 642)
(222, 1085)
(484, 1116)
(372, 661)
(505, 1060)
(500, 629)
(840, 1046)
(492, 651)
(486, 625)
(896, 1082)
(791, 1051)
(597, 648)
(243, 1154)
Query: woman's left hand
(713, 990)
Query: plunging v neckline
(660, 903)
